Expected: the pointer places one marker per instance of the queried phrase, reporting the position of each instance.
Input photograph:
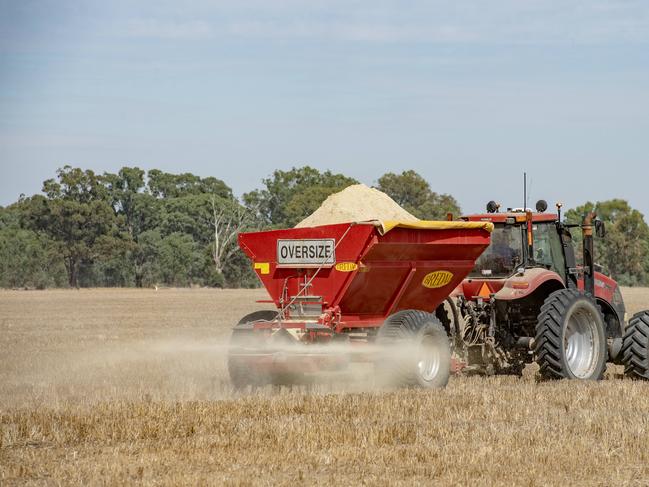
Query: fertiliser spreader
(354, 292)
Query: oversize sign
(306, 252)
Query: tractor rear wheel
(240, 367)
(416, 350)
(570, 342)
(635, 348)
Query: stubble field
(122, 387)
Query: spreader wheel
(635, 349)
(242, 373)
(261, 315)
(570, 342)
(416, 351)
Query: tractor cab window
(548, 249)
(504, 254)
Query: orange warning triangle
(484, 291)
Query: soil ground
(124, 387)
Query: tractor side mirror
(600, 228)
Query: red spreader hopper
(351, 284)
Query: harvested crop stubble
(356, 203)
(130, 387)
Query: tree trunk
(138, 272)
(73, 272)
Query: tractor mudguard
(522, 285)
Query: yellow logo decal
(437, 279)
(346, 266)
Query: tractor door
(569, 253)
(548, 248)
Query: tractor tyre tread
(548, 341)
(635, 347)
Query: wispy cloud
(475, 21)
(349, 31)
(49, 140)
(169, 29)
(386, 21)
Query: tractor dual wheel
(570, 342)
(242, 373)
(635, 348)
(415, 351)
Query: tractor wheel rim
(581, 343)
(428, 362)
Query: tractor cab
(522, 241)
(508, 251)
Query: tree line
(137, 228)
(140, 229)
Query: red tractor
(527, 297)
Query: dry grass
(128, 387)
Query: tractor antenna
(524, 191)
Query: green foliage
(145, 258)
(290, 196)
(238, 272)
(28, 260)
(165, 185)
(624, 251)
(77, 217)
(10, 216)
(139, 213)
(187, 214)
(125, 191)
(178, 259)
(413, 193)
(75, 184)
(122, 230)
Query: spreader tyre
(635, 349)
(570, 341)
(242, 374)
(262, 315)
(416, 351)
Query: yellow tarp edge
(387, 225)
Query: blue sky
(468, 93)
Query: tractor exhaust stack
(589, 257)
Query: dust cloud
(174, 369)
(64, 347)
